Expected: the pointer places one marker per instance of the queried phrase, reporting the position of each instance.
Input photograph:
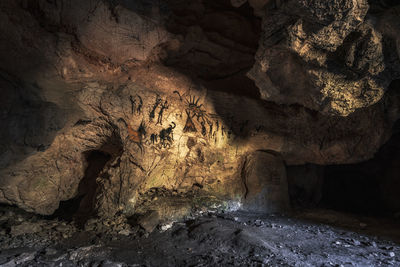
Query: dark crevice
(88, 186)
(351, 189)
(81, 207)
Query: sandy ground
(307, 238)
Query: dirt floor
(307, 238)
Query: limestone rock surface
(330, 56)
(160, 90)
(266, 184)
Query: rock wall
(166, 97)
(330, 56)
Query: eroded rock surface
(330, 56)
(161, 91)
(266, 184)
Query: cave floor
(307, 238)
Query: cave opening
(369, 188)
(81, 207)
(87, 189)
(349, 190)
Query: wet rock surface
(307, 238)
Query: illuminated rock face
(119, 80)
(325, 55)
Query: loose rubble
(236, 239)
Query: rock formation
(159, 90)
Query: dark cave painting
(164, 139)
(189, 125)
(153, 110)
(136, 136)
(136, 104)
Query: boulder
(149, 221)
(266, 183)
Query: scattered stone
(25, 228)
(166, 226)
(258, 223)
(111, 264)
(149, 221)
(241, 244)
(21, 259)
(125, 232)
(62, 228)
(50, 251)
(238, 3)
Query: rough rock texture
(222, 239)
(160, 90)
(330, 56)
(266, 184)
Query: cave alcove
(200, 133)
(82, 207)
(370, 188)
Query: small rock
(258, 223)
(125, 232)
(62, 228)
(356, 242)
(25, 228)
(150, 221)
(238, 3)
(111, 264)
(391, 254)
(50, 251)
(166, 226)
(90, 227)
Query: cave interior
(200, 133)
